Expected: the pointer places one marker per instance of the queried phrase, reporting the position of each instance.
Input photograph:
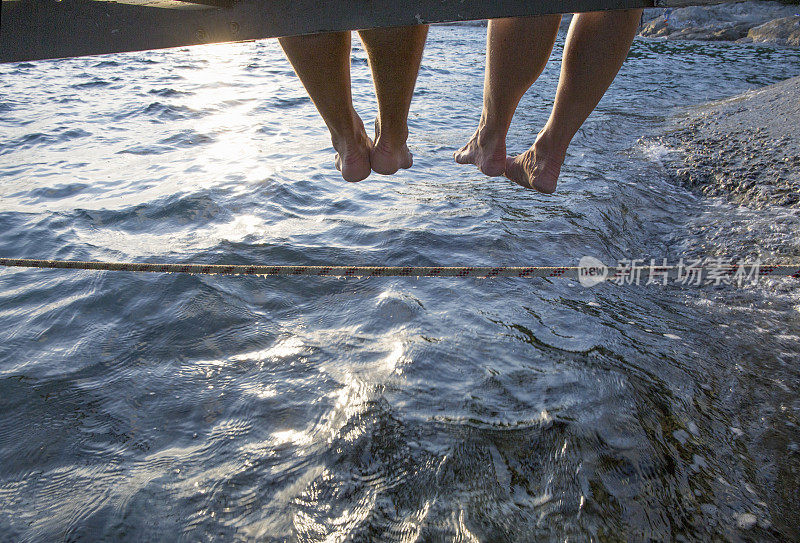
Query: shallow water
(180, 407)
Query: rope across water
(480, 272)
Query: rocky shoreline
(751, 21)
(747, 22)
(746, 148)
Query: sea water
(151, 407)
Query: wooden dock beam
(43, 29)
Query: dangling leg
(597, 45)
(517, 51)
(322, 62)
(394, 58)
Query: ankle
(350, 129)
(386, 146)
(548, 144)
(490, 132)
(496, 116)
(390, 135)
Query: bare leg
(596, 47)
(394, 58)
(322, 62)
(517, 51)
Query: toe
(461, 156)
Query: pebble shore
(745, 148)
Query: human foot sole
(353, 154)
(534, 170)
(387, 160)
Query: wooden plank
(176, 4)
(686, 3)
(42, 29)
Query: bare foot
(537, 168)
(389, 154)
(487, 151)
(353, 152)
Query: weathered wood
(41, 29)
(685, 3)
(176, 4)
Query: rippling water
(179, 407)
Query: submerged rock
(746, 521)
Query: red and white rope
(480, 272)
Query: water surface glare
(185, 407)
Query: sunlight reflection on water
(195, 407)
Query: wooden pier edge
(46, 29)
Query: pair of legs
(517, 51)
(322, 62)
